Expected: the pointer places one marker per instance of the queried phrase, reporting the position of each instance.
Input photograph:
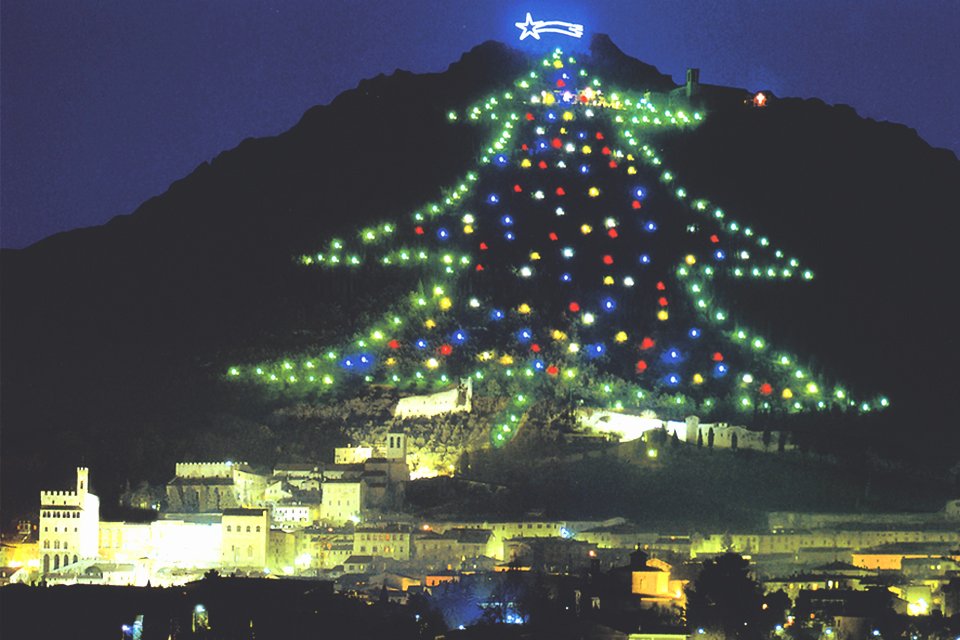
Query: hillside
(115, 338)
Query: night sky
(103, 104)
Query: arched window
(66, 559)
(56, 544)
(248, 528)
(74, 558)
(56, 562)
(46, 563)
(250, 551)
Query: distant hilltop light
(534, 28)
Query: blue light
(496, 314)
(509, 236)
(459, 337)
(538, 365)
(694, 333)
(672, 355)
(672, 379)
(524, 335)
(584, 169)
(421, 344)
(650, 226)
(542, 145)
(357, 362)
(595, 350)
(608, 304)
(582, 135)
(442, 233)
(500, 159)
(551, 116)
(644, 258)
(566, 277)
(565, 533)
(506, 221)
(639, 193)
(493, 198)
(720, 370)
(719, 254)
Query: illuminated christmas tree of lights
(570, 264)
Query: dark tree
(699, 439)
(766, 439)
(710, 437)
(733, 442)
(726, 600)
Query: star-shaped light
(528, 27)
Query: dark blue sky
(103, 104)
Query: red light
(647, 343)
(553, 236)
(542, 164)
(605, 151)
(718, 357)
(393, 344)
(641, 366)
(636, 204)
(553, 370)
(714, 239)
(517, 188)
(418, 230)
(479, 267)
(662, 302)
(483, 246)
(661, 286)
(613, 164)
(608, 259)
(561, 84)
(557, 143)
(613, 233)
(535, 348)
(446, 349)
(561, 192)
(766, 389)
(599, 135)
(574, 307)
(529, 116)
(525, 147)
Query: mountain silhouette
(115, 337)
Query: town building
(69, 524)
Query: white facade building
(69, 524)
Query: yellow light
(547, 98)
(593, 192)
(524, 308)
(631, 170)
(573, 347)
(445, 304)
(567, 116)
(526, 163)
(608, 280)
(787, 394)
(586, 150)
(506, 359)
(534, 255)
(484, 356)
(559, 335)
(468, 229)
(621, 336)
(432, 363)
(430, 324)
(585, 229)
(697, 378)
(662, 314)
(690, 259)
(391, 362)
(558, 64)
(812, 388)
